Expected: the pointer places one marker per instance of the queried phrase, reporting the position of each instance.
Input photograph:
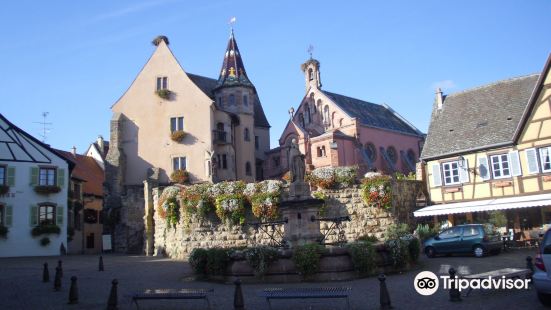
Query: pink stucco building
(336, 130)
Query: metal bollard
(238, 302)
(100, 263)
(73, 291)
(45, 273)
(60, 268)
(57, 279)
(113, 299)
(455, 295)
(384, 296)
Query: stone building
(168, 120)
(336, 130)
(488, 149)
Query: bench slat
(307, 292)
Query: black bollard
(57, 279)
(113, 299)
(73, 291)
(455, 295)
(45, 273)
(384, 296)
(60, 268)
(100, 263)
(530, 265)
(238, 302)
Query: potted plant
(178, 135)
(164, 93)
(180, 176)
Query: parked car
(542, 272)
(479, 239)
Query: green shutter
(34, 176)
(11, 176)
(9, 216)
(59, 215)
(33, 216)
(60, 177)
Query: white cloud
(444, 85)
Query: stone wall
(129, 232)
(178, 242)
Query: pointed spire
(233, 71)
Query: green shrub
(425, 232)
(45, 229)
(44, 241)
(260, 258)
(396, 231)
(198, 261)
(368, 238)
(414, 248)
(172, 212)
(217, 261)
(498, 218)
(307, 258)
(363, 256)
(164, 93)
(399, 251)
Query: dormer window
(162, 82)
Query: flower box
(178, 135)
(179, 176)
(47, 189)
(4, 189)
(164, 93)
(503, 184)
(45, 230)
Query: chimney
(101, 145)
(74, 150)
(439, 98)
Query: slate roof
(482, 117)
(86, 169)
(207, 85)
(373, 115)
(233, 71)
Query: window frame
(53, 213)
(541, 159)
(452, 176)
(54, 178)
(501, 168)
(162, 83)
(224, 161)
(177, 161)
(177, 123)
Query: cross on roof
(310, 50)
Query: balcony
(219, 137)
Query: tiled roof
(233, 71)
(86, 169)
(207, 85)
(479, 117)
(371, 114)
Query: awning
(486, 205)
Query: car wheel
(430, 252)
(478, 251)
(545, 299)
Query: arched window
(371, 151)
(411, 155)
(333, 119)
(341, 122)
(248, 170)
(310, 74)
(247, 135)
(326, 115)
(308, 116)
(231, 99)
(392, 155)
(301, 119)
(245, 100)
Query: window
(90, 241)
(256, 143)
(247, 135)
(179, 163)
(176, 123)
(248, 169)
(500, 166)
(231, 99)
(245, 100)
(411, 155)
(310, 74)
(224, 161)
(47, 176)
(220, 103)
(326, 115)
(301, 119)
(2, 215)
(3, 175)
(470, 231)
(371, 151)
(453, 232)
(162, 83)
(46, 215)
(90, 216)
(76, 190)
(451, 172)
(321, 151)
(276, 161)
(308, 115)
(218, 161)
(545, 159)
(392, 155)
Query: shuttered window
(483, 168)
(545, 159)
(47, 176)
(436, 177)
(500, 166)
(532, 161)
(451, 172)
(46, 215)
(515, 163)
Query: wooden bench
(306, 293)
(508, 273)
(185, 293)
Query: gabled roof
(207, 85)
(18, 145)
(482, 117)
(88, 170)
(373, 115)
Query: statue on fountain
(298, 188)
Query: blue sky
(75, 58)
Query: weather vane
(232, 22)
(310, 50)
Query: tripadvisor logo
(426, 283)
